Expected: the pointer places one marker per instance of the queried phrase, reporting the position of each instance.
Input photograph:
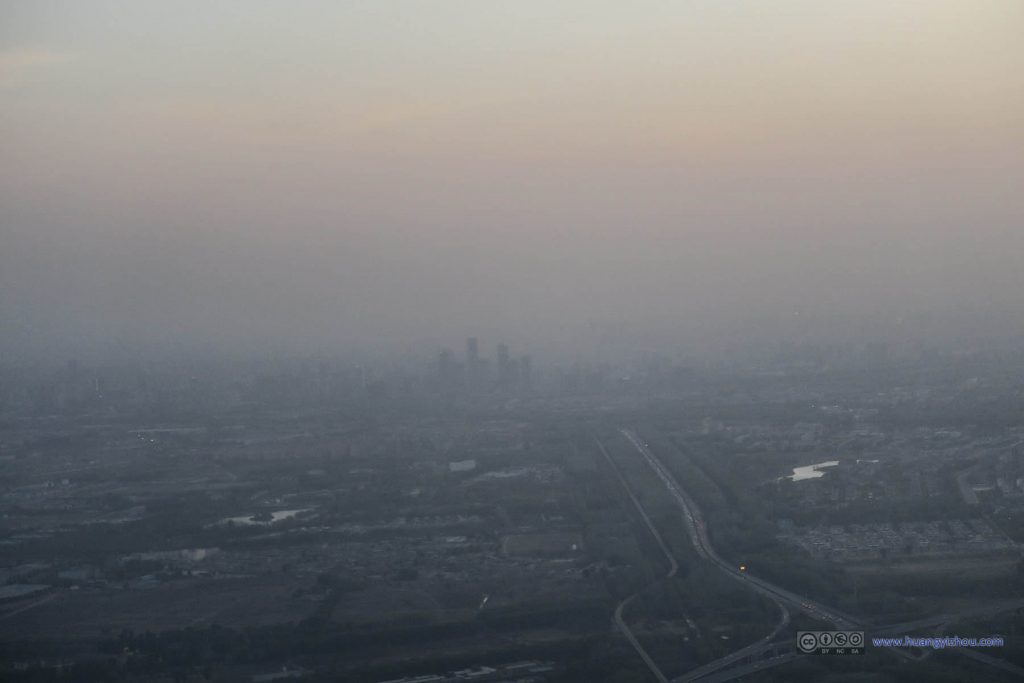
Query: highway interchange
(745, 661)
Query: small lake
(275, 517)
(812, 471)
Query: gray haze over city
(252, 176)
(562, 341)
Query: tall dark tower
(447, 370)
(473, 365)
(503, 364)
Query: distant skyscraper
(447, 370)
(504, 376)
(474, 367)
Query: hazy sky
(319, 174)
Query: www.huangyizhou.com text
(939, 642)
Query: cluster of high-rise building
(475, 373)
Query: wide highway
(697, 529)
(673, 567)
